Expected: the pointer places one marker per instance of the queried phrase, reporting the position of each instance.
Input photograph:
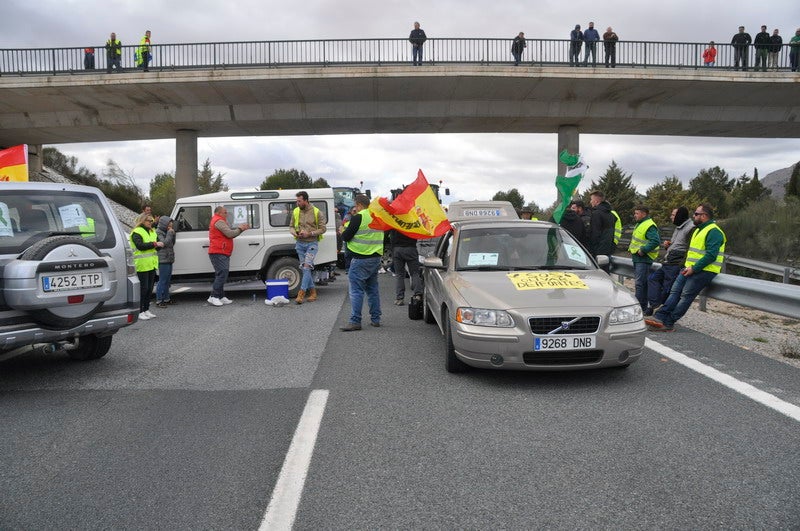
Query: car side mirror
(433, 262)
(602, 260)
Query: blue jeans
(306, 253)
(517, 58)
(684, 291)
(164, 276)
(660, 282)
(221, 265)
(641, 270)
(416, 53)
(591, 47)
(363, 276)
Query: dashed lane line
(282, 508)
(790, 410)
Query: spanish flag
(14, 163)
(415, 212)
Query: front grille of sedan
(545, 325)
(563, 357)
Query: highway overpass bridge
(447, 98)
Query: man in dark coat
(601, 236)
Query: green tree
(661, 198)
(619, 191)
(68, 167)
(713, 186)
(291, 180)
(513, 196)
(207, 182)
(765, 230)
(120, 186)
(746, 191)
(162, 193)
(793, 186)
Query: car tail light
(75, 299)
(130, 266)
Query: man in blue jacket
(590, 37)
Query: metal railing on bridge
(367, 52)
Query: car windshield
(522, 248)
(31, 215)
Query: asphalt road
(186, 424)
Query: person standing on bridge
(775, 45)
(610, 40)
(307, 228)
(143, 55)
(794, 50)
(710, 55)
(590, 37)
(703, 262)
(517, 47)
(366, 246)
(740, 41)
(762, 45)
(220, 239)
(575, 43)
(417, 39)
(88, 58)
(113, 54)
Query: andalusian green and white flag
(567, 184)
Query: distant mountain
(776, 181)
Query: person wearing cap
(740, 42)
(527, 214)
(575, 43)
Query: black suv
(67, 278)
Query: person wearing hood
(660, 281)
(166, 257)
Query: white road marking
(282, 508)
(753, 393)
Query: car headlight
(481, 317)
(626, 314)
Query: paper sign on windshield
(72, 215)
(575, 253)
(546, 280)
(239, 214)
(480, 259)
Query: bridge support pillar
(185, 163)
(35, 156)
(567, 139)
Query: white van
(266, 251)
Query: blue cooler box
(277, 287)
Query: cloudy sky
(473, 166)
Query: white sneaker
(214, 301)
(143, 316)
(150, 314)
(225, 300)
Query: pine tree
(291, 179)
(661, 198)
(713, 186)
(793, 186)
(513, 196)
(207, 182)
(619, 191)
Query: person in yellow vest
(527, 214)
(703, 262)
(366, 247)
(307, 228)
(144, 243)
(143, 55)
(645, 241)
(113, 54)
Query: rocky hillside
(125, 216)
(776, 181)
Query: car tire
(91, 347)
(38, 252)
(287, 268)
(452, 363)
(427, 314)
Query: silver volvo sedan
(525, 295)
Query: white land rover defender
(266, 251)
(68, 280)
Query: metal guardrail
(771, 297)
(216, 55)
